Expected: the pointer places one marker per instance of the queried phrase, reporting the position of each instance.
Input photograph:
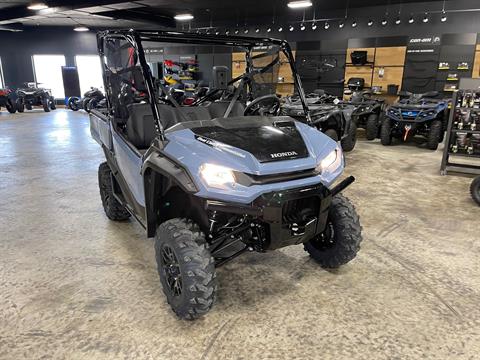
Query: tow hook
(407, 131)
(299, 230)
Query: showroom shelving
(464, 159)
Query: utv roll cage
(136, 37)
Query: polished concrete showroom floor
(74, 285)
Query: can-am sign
(429, 40)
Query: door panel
(130, 165)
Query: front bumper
(291, 216)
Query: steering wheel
(264, 105)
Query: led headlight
(216, 176)
(331, 162)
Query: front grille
(300, 211)
(250, 179)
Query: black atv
(416, 114)
(327, 115)
(31, 95)
(91, 99)
(368, 112)
(475, 190)
(7, 100)
(218, 178)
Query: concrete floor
(74, 285)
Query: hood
(251, 142)
(266, 141)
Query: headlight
(217, 176)
(331, 162)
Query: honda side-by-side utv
(218, 178)
(416, 114)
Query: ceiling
(148, 13)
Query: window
(89, 72)
(48, 73)
(2, 81)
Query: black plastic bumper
(270, 209)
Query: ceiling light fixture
(257, 30)
(299, 4)
(291, 28)
(384, 22)
(354, 24)
(269, 30)
(341, 25)
(444, 16)
(425, 18)
(370, 22)
(398, 21)
(227, 32)
(237, 31)
(314, 26)
(280, 29)
(183, 17)
(302, 27)
(37, 6)
(411, 20)
(246, 31)
(81, 28)
(327, 25)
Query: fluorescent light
(37, 6)
(81, 28)
(183, 17)
(299, 4)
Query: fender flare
(160, 174)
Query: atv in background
(327, 116)
(475, 190)
(31, 95)
(416, 114)
(368, 111)
(7, 100)
(216, 179)
(91, 99)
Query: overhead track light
(299, 4)
(237, 31)
(425, 18)
(384, 22)
(354, 24)
(411, 20)
(314, 26)
(341, 25)
(269, 30)
(327, 25)
(398, 21)
(183, 17)
(257, 30)
(444, 16)
(37, 5)
(280, 29)
(291, 28)
(370, 22)
(246, 31)
(302, 27)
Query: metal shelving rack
(448, 160)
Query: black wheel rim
(171, 270)
(326, 240)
